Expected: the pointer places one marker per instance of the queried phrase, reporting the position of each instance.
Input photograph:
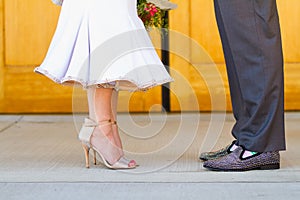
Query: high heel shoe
(85, 138)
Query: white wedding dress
(103, 42)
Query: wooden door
(28, 26)
(195, 19)
(197, 62)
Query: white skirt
(103, 42)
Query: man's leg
(250, 28)
(252, 47)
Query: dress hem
(115, 83)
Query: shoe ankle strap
(88, 129)
(104, 122)
(91, 123)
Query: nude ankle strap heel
(85, 137)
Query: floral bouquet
(152, 12)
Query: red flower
(151, 8)
(151, 15)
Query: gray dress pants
(251, 39)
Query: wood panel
(292, 86)
(29, 27)
(196, 20)
(180, 58)
(289, 12)
(1, 55)
(290, 26)
(29, 92)
(199, 60)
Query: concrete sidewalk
(41, 158)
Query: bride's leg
(100, 111)
(116, 135)
(114, 106)
(91, 102)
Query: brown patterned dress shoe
(216, 154)
(235, 161)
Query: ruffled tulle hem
(120, 83)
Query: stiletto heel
(86, 153)
(85, 137)
(95, 158)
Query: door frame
(2, 62)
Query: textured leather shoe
(216, 154)
(235, 161)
